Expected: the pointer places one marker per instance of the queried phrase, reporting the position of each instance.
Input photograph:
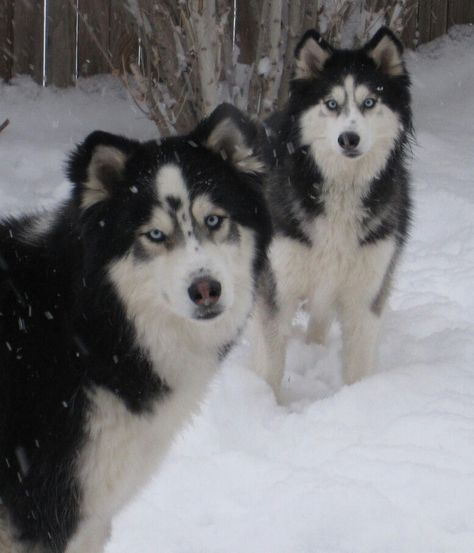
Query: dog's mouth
(352, 155)
(206, 314)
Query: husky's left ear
(233, 135)
(386, 51)
(311, 54)
(96, 166)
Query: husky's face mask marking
(352, 102)
(351, 119)
(192, 227)
(196, 249)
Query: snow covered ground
(384, 466)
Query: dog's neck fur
(180, 350)
(349, 174)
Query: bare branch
(188, 64)
(4, 125)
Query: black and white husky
(339, 197)
(115, 310)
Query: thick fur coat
(115, 310)
(339, 194)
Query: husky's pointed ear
(233, 135)
(96, 166)
(311, 54)
(387, 52)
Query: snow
(45, 124)
(385, 465)
(264, 66)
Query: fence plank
(94, 22)
(460, 12)
(6, 39)
(409, 34)
(61, 51)
(424, 20)
(439, 18)
(28, 38)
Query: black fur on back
(63, 328)
(295, 185)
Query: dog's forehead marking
(349, 86)
(171, 187)
(349, 92)
(174, 202)
(354, 93)
(361, 93)
(339, 94)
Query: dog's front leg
(268, 344)
(361, 307)
(360, 333)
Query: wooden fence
(49, 41)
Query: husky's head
(353, 106)
(178, 226)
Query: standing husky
(115, 310)
(339, 197)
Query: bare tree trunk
(296, 13)
(227, 82)
(202, 26)
(311, 12)
(255, 90)
(248, 29)
(277, 40)
(267, 68)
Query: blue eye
(369, 103)
(156, 235)
(331, 104)
(213, 222)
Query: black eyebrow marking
(174, 202)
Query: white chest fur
(334, 245)
(124, 448)
(335, 235)
(335, 261)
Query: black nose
(348, 141)
(205, 291)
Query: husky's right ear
(386, 51)
(311, 54)
(96, 166)
(234, 136)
